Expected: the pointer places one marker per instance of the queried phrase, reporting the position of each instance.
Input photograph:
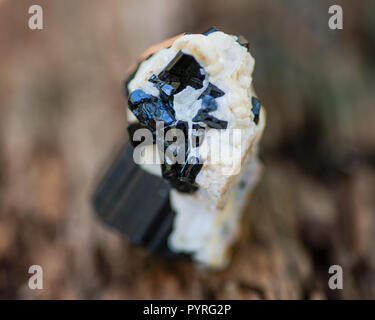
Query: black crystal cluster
(182, 71)
(209, 104)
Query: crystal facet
(149, 109)
(212, 91)
(183, 71)
(209, 104)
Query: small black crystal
(149, 109)
(209, 104)
(181, 176)
(183, 126)
(255, 109)
(183, 71)
(119, 202)
(166, 90)
(178, 179)
(213, 29)
(210, 121)
(212, 91)
(190, 170)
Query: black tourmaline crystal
(175, 170)
(183, 71)
(209, 104)
(213, 29)
(171, 131)
(135, 203)
(149, 109)
(211, 121)
(212, 91)
(182, 176)
(166, 90)
(190, 170)
(255, 109)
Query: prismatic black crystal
(118, 203)
(173, 148)
(190, 170)
(213, 29)
(212, 91)
(211, 121)
(183, 71)
(173, 173)
(209, 104)
(166, 90)
(149, 109)
(255, 109)
(182, 176)
(180, 173)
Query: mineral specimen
(196, 85)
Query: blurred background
(62, 115)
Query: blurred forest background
(62, 115)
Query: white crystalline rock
(206, 222)
(203, 230)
